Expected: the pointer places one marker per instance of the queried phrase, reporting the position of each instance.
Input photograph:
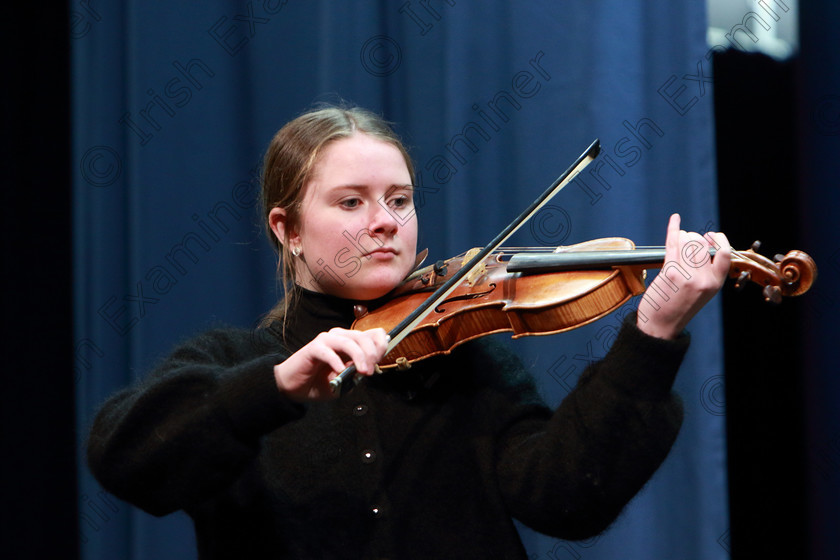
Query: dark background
(766, 447)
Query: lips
(382, 255)
(382, 251)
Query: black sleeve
(570, 473)
(192, 425)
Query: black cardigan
(429, 463)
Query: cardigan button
(360, 410)
(368, 456)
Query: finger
(710, 238)
(694, 250)
(372, 343)
(378, 339)
(378, 336)
(672, 238)
(723, 257)
(327, 354)
(368, 346)
(343, 346)
(381, 339)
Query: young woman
(240, 429)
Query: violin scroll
(792, 274)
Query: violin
(536, 291)
(541, 291)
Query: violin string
(531, 249)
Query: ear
(278, 222)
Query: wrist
(656, 329)
(281, 376)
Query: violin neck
(537, 263)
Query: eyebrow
(353, 187)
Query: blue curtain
(174, 104)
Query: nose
(384, 221)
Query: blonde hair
(288, 166)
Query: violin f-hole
(491, 288)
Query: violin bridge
(477, 271)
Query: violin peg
(440, 268)
(742, 280)
(772, 294)
(755, 246)
(778, 257)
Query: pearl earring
(296, 252)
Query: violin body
(495, 301)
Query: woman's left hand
(689, 278)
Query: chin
(370, 293)
(373, 288)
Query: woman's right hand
(306, 374)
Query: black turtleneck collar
(314, 313)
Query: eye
(400, 201)
(350, 203)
